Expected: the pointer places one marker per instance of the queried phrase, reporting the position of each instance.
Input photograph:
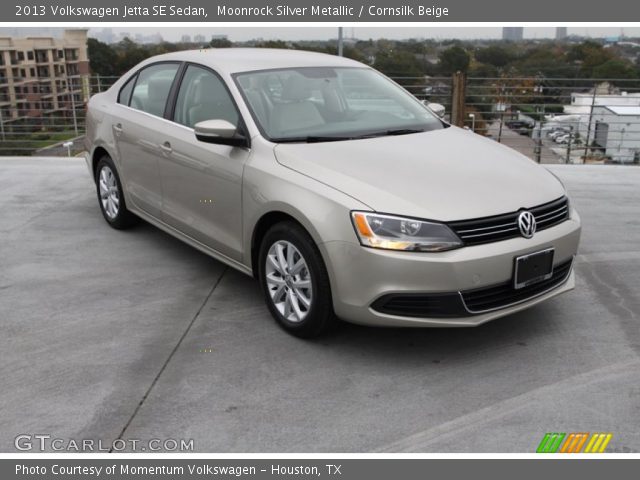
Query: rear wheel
(295, 281)
(110, 196)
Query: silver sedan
(339, 191)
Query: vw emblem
(527, 224)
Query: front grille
(502, 227)
(469, 302)
(504, 294)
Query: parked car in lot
(553, 134)
(369, 208)
(565, 138)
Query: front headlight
(398, 233)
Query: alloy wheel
(288, 281)
(109, 192)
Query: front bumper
(361, 276)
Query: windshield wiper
(335, 138)
(311, 139)
(398, 131)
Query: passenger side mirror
(220, 132)
(436, 108)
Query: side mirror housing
(436, 108)
(221, 132)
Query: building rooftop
(624, 110)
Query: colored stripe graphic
(581, 442)
(598, 443)
(550, 443)
(574, 442)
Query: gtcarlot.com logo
(574, 443)
(45, 442)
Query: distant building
(616, 130)
(610, 119)
(43, 76)
(561, 33)
(186, 39)
(513, 33)
(199, 39)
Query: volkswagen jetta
(343, 194)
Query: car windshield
(317, 104)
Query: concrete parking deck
(133, 335)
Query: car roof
(233, 60)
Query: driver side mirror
(436, 108)
(221, 132)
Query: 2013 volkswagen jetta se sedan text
(338, 190)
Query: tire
(111, 197)
(301, 311)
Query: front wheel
(111, 197)
(295, 281)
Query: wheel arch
(98, 152)
(270, 218)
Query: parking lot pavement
(525, 144)
(133, 335)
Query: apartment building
(43, 77)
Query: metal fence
(550, 120)
(45, 115)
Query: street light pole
(2, 125)
(340, 42)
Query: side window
(203, 96)
(125, 92)
(152, 88)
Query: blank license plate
(533, 268)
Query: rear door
(137, 128)
(202, 182)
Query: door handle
(117, 129)
(166, 147)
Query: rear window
(125, 92)
(152, 87)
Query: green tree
(354, 54)
(454, 59)
(398, 64)
(273, 44)
(220, 43)
(102, 58)
(615, 68)
(589, 55)
(496, 55)
(129, 55)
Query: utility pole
(537, 133)
(340, 42)
(73, 107)
(586, 142)
(458, 99)
(568, 159)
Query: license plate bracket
(533, 268)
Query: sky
(323, 33)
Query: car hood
(448, 174)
